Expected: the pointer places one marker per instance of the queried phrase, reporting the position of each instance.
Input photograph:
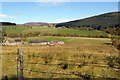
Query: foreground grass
(80, 58)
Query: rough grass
(88, 60)
(72, 40)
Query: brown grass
(84, 59)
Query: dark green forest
(108, 22)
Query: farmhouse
(18, 41)
(39, 42)
(11, 42)
(56, 42)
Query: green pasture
(17, 30)
(69, 40)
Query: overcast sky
(53, 12)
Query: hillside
(13, 31)
(7, 24)
(98, 22)
(35, 23)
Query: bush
(64, 66)
(116, 43)
(47, 58)
(111, 61)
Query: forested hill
(7, 24)
(100, 21)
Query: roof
(17, 40)
(55, 41)
(38, 41)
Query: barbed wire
(84, 63)
(48, 63)
(62, 63)
(8, 54)
(62, 73)
(70, 60)
(11, 60)
(49, 72)
(34, 56)
(79, 65)
(14, 68)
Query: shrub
(64, 65)
(47, 58)
(116, 43)
(110, 61)
(109, 35)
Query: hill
(21, 31)
(36, 24)
(7, 24)
(97, 22)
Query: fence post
(20, 65)
(6, 78)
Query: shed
(38, 42)
(17, 40)
(56, 42)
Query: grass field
(70, 40)
(81, 57)
(74, 40)
(13, 30)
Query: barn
(56, 42)
(38, 42)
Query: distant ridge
(110, 19)
(36, 23)
(7, 24)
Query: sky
(53, 12)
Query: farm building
(18, 41)
(12, 42)
(8, 42)
(39, 42)
(56, 42)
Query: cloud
(59, 0)
(18, 13)
(64, 20)
(6, 16)
(50, 2)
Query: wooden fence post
(6, 78)
(20, 65)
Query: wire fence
(71, 63)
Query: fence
(20, 66)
